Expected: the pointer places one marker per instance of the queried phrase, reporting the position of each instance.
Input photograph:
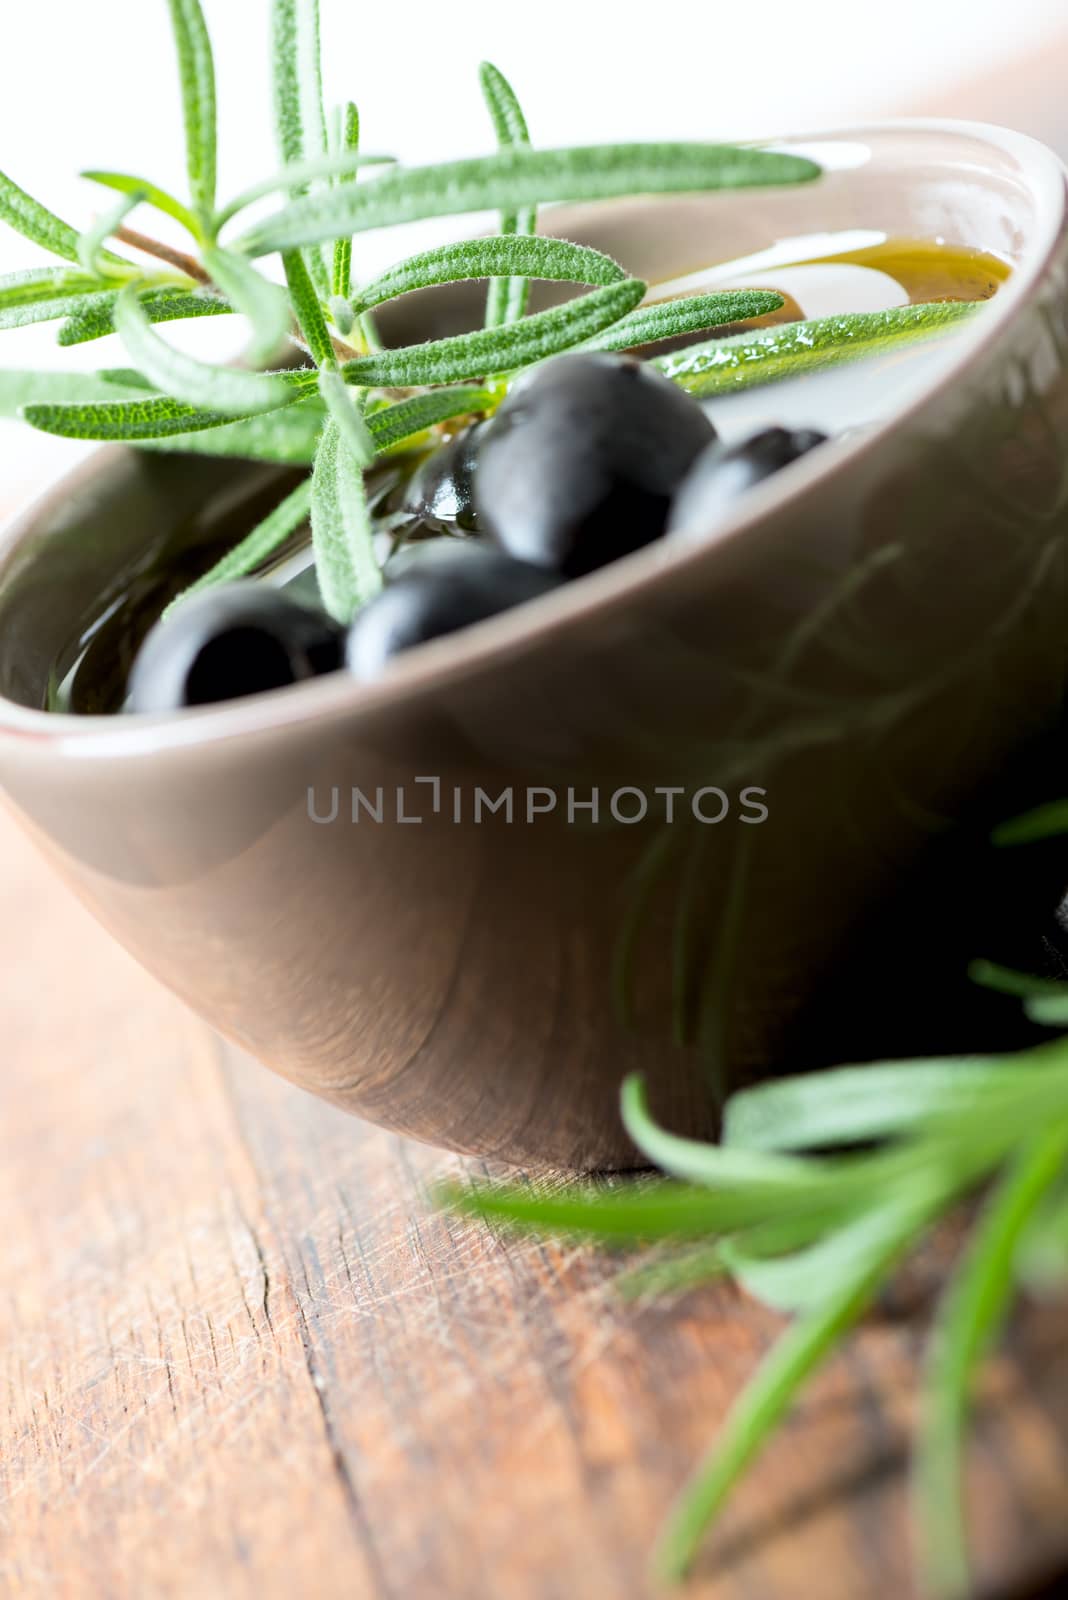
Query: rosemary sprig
(342, 411)
(196, 68)
(507, 298)
(817, 1235)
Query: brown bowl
(866, 641)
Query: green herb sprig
(354, 400)
(821, 1186)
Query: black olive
(441, 489)
(231, 641)
(445, 590)
(580, 463)
(720, 475)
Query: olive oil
(823, 275)
(929, 270)
(924, 270)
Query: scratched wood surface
(242, 1355)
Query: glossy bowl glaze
(866, 641)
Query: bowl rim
(494, 641)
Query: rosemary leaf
(1004, 980)
(159, 417)
(311, 67)
(719, 1167)
(341, 529)
(21, 315)
(795, 348)
(495, 257)
(970, 1313)
(289, 437)
(126, 378)
(43, 283)
(120, 419)
(152, 194)
(197, 71)
(35, 222)
(1051, 1010)
(406, 419)
(1041, 1260)
(264, 304)
(92, 241)
(93, 317)
(502, 102)
(506, 300)
(298, 100)
(215, 389)
(640, 1211)
(1043, 823)
(668, 319)
(341, 315)
(298, 174)
(496, 350)
(873, 1243)
(519, 177)
(341, 275)
(851, 1105)
(801, 1281)
(57, 391)
(267, 537)
(299, 123)
(344, 408)
(308, 310)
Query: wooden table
(242, 1355)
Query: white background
(94, 85)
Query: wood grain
(242, 1355)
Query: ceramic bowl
(866, 641)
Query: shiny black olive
(235, 640)
(445, 590)
(580, 463)
(720, 475)
(441, 489)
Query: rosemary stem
(970, 1315)
(163, 252)
(882, 1237)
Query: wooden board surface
(241, 1354)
